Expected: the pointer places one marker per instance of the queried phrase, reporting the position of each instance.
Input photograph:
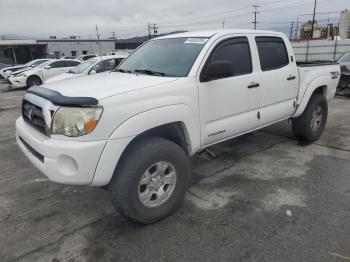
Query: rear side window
(272, 52)
(57, 64)
(237, 51)
(71, 63)
(88, 57)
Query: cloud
(42, 18)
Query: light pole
(313, 20)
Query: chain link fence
(320, 49)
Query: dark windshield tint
(171, 57)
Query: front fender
(160, 116)
(309, 90)
(129, 129)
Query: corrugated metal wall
(320, 49)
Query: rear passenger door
(53, 69)
(279, 79)
(229, 106)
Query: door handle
(290, 78)
(253, 85)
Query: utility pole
(113, 35)
(149, 30)
(255, 13)
(155, 30)
(223, 24)
(291, 30)
(313, 20)
(98, 39)
(152, 28)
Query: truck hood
(107, 84)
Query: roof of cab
(219, 33)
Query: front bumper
(67, 162)
(18, 81)
(71, 162)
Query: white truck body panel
(209, 112)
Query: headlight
(75, 121)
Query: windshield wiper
(149, 72)
(121, 70)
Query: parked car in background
(89, 67)
(6, 72)
(86, 57)
(68, 57)
(36, 76)
(5, 62)
(37, 63)
(344, 83)
(134, 129)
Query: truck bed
(311, 71)
(315, 63)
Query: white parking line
(7, 107)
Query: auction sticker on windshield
(200, 41)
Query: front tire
(311, 123)
(34, 81)
(151, 180)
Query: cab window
(237, 51)
(272, 52)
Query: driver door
(229, 106)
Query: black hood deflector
(60, 100)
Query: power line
(242, 14)
(199, 23)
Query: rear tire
(141, 189)
(310, 124)
(34, 81)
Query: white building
(344, 24)
(22, 51)
(76, 47)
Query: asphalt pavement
(265, 197)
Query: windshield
(344, 58)
(83, 66)
(44, 64)
(30, 63)
(164, 57)
(37, 62)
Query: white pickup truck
(134, 129)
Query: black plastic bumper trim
(32, 150)
(60, 100)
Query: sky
(128, 18)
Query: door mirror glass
(92, 72)
(47, 67)
(217, 70)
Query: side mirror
(217, 70)
(47, 67)
(92, 72)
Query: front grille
(33, 115)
